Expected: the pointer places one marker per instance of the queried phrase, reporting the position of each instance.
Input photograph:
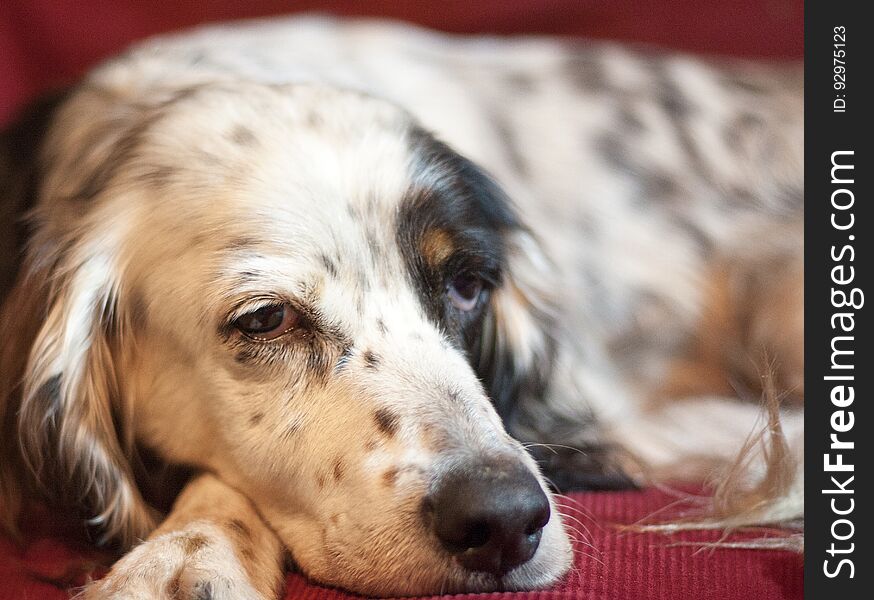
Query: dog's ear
(65, 424)
(72, 423)
(515, 352)
(517, 361)
(512, 349)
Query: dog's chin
(421, 570)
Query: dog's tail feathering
(761, 488)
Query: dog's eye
(464, 291)
(268, 322)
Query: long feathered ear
(65, 423)
(513, 350)
(534, 391)
(72, 422)
(516, 350)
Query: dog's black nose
(490, 516)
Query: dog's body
(652, 250)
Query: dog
(361, 295)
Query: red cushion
(49, 42)
(610, 563)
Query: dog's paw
(195, 564)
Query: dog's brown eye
(464, 291)
(268, 322)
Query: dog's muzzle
(489, 515)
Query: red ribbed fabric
(46, 43)
(610, 563)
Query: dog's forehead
(290, 190)
(291, 165)
(292, 148)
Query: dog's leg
(213, 545)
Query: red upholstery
(44, 43)
(48, 42)
(611, 564)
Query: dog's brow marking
(243, 136)
(256, 418)
(387, 421)
(436, 246)
(371, 359)
(380, 325)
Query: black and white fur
(349, 171)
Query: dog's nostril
(538, 522)
(477, 535)
(490, 518)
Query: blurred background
(48, 43)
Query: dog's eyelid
(308, 316)
(252, 304)
(478, 265)
(491, 278)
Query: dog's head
(302, 291)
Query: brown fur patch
(243, 136)
(371, 359)
(174, 586)
(193, 543)
(240, 529)
(436, 246)
(338, 469)
(243, 540)
(387, 421)
(749, 311)
(390, 477)
(19, 324)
